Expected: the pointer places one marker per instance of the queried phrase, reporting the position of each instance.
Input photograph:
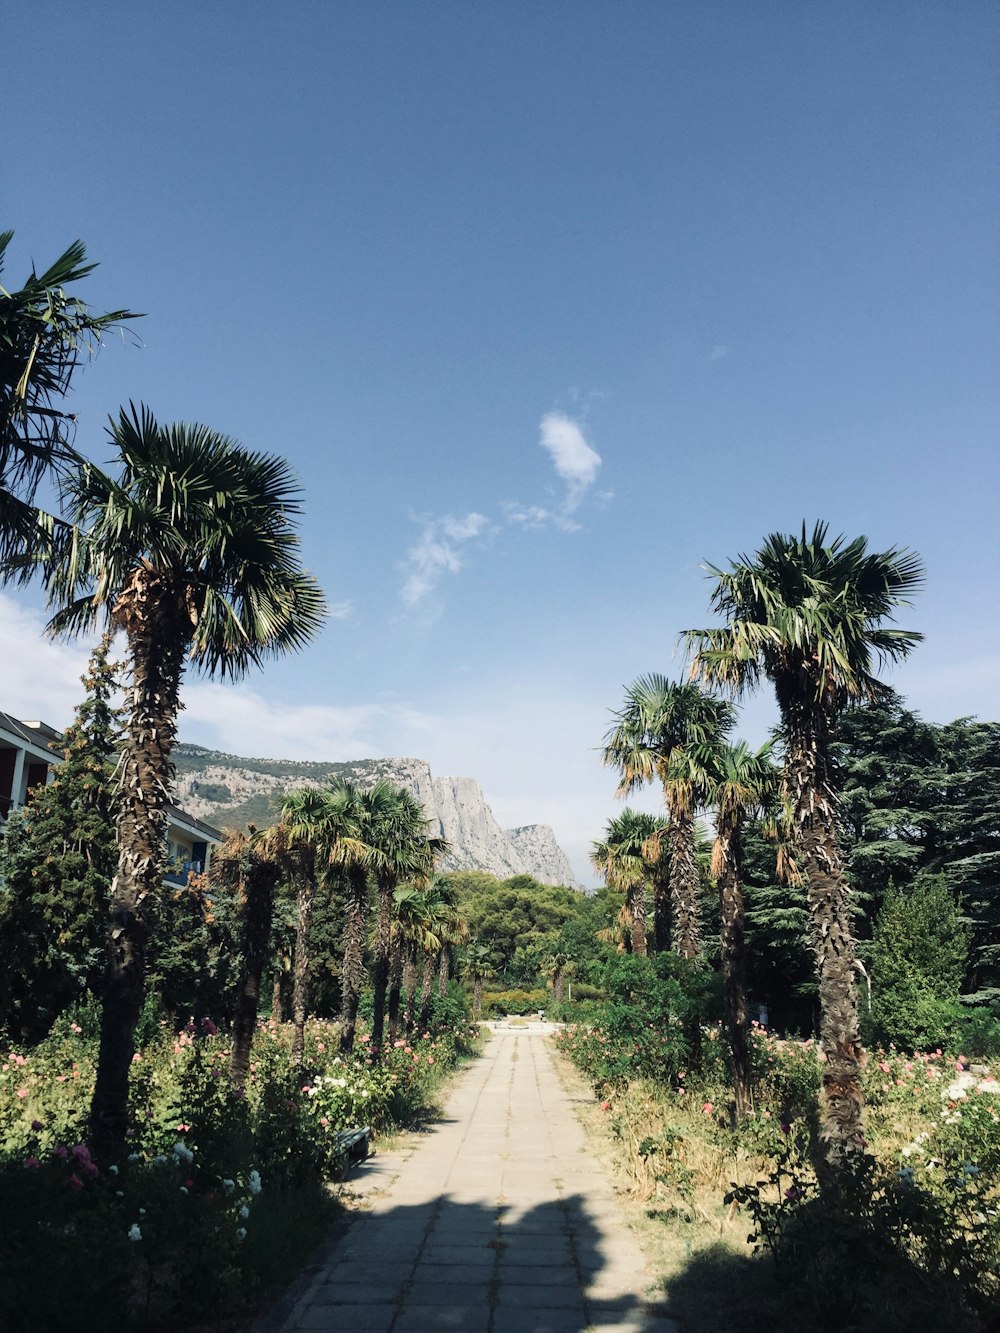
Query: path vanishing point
(497, 1220)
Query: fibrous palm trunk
(276, 1011)
(352, 969)
(661, 915)
(258, 882)
(395, 986)
(426, 991)
(157, 641)
(444, 970)
(305, 898)
(637, 912)
(808, 794)
(734, 962)
(381, 965)
(684, 885)
(477, 998)
(410, 984)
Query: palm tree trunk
(352, 969)
(157, 652)
(276, 998)
(684, 885)
(255, 931)
(477, 998)
(444, 970)
(734, 964)
(637, 911)
(305, 898)
(809, 795)
(661, 915)
(557, 982)
(380, 964)
(426, 991)
(395, 986)
(410, 984)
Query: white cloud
(41, 678)
(436, 552)
(527, 516)
(341, 610)
(576, 463)
(243, 721)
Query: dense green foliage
(220, 1194)
(918, 956)
(57, 857)
(918, 806)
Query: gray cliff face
(230, 791)
(477, 841)
(536, 845)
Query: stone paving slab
(497, 1220)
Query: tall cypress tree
(57, 858)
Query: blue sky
(547, 303)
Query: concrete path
(497, 1221)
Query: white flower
(244, 1212)
(241, 1233)
(253, 1182)
(228, 1186)
(113, 1169)
(183, 1153)
(158, 1161)
(133, 1232)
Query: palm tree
(744, 782)
(344, 841)
(304, 814)
(557, 966)
(808, 614)
(478, 964)
(653, 737)
(249, 865)
(400, 849)
(414, 934)
(619, 859)
(192, 554)
(44, 332)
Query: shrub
(514, 1002)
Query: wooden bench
(351, 1146)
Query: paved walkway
(497, 1221)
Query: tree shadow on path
(449, 1264)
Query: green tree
(809, 615)
(57, 859)
(918, 959)
(655, 736)
(192, 554)
(620, 859)
(518, 919)
(477, 965)
(45, 330)
(742, 783)
(249, 866)
(312, 832)
(397, 833)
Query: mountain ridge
(236, 790)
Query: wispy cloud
(341, 610)
(575, 461)
(441, 547)
(437, 551)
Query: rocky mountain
(227, 790)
